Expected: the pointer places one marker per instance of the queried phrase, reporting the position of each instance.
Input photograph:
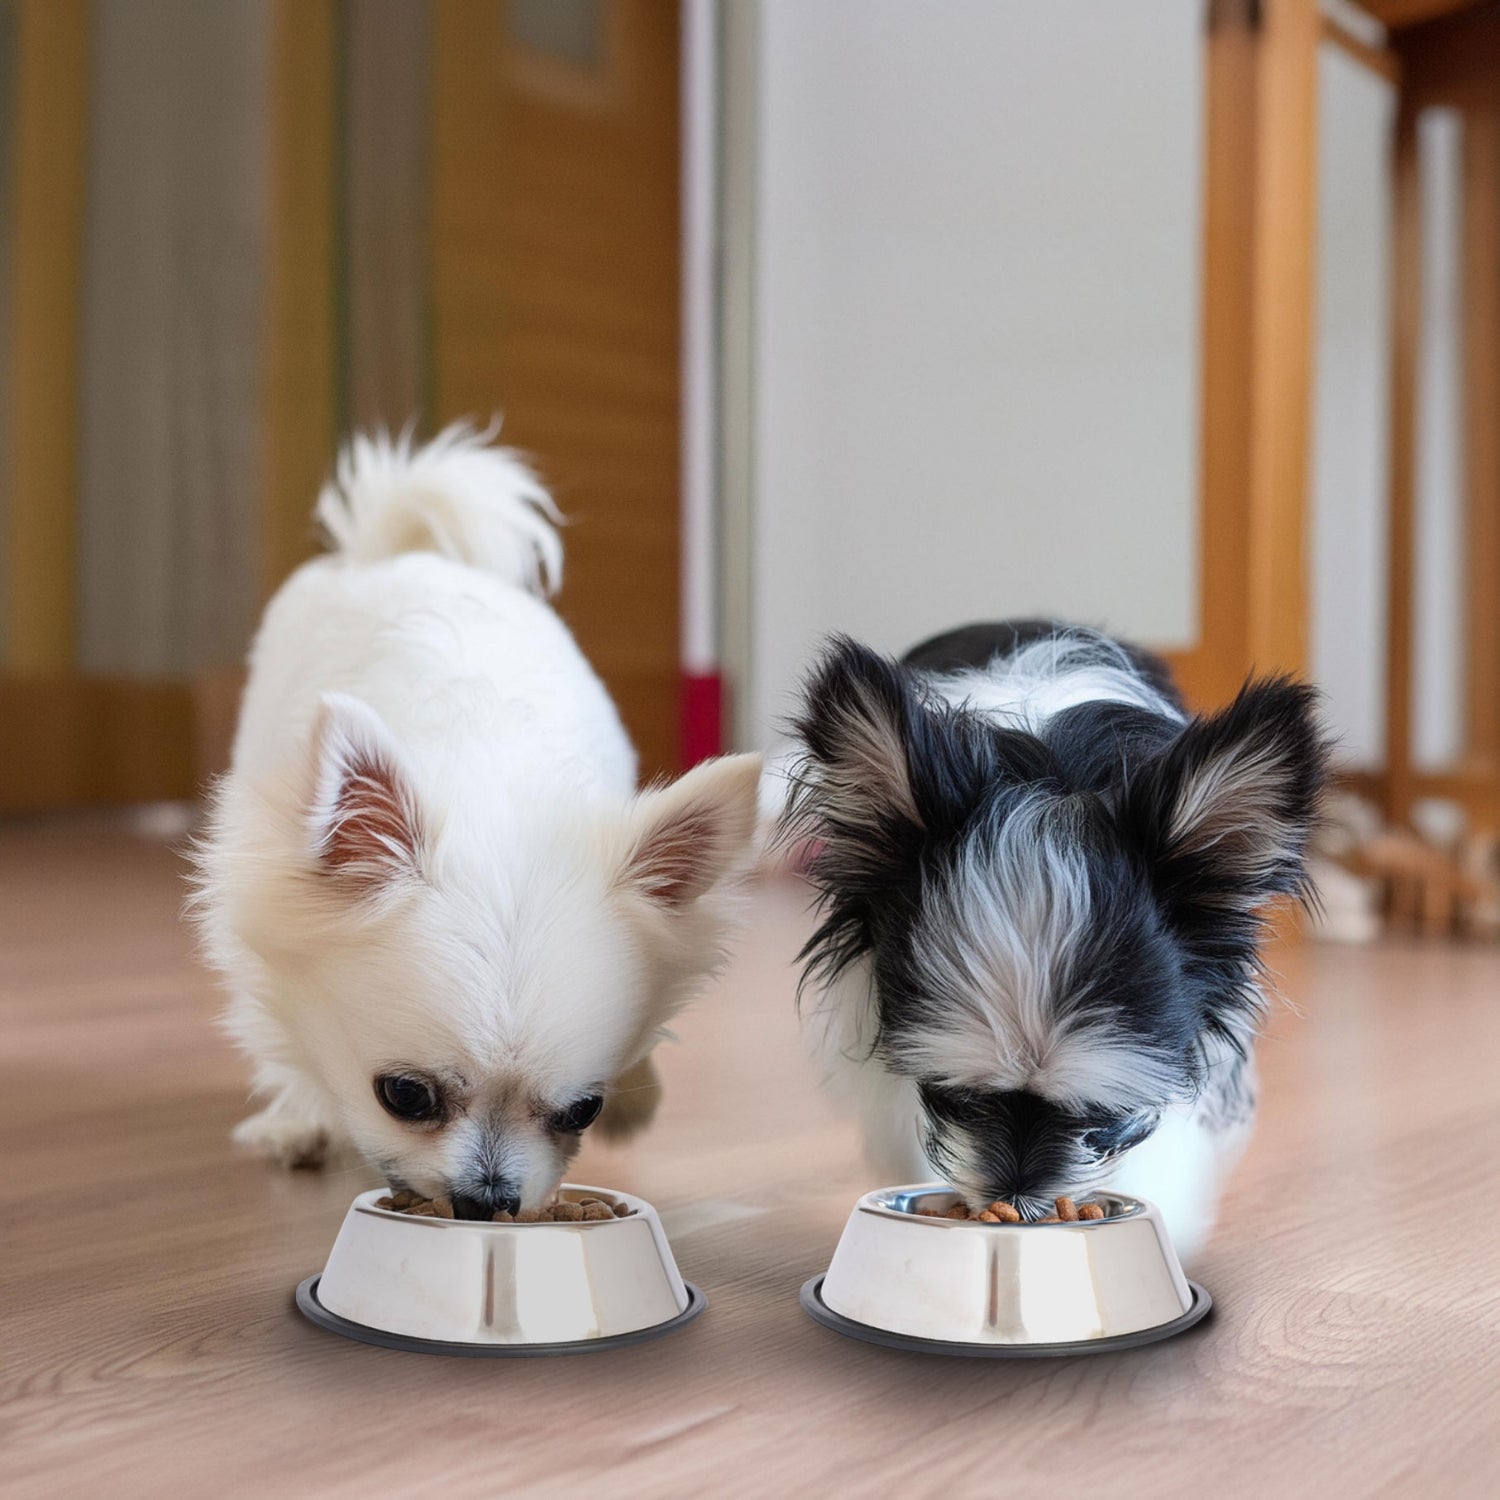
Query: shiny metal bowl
(965, 1286)
(462, 1286)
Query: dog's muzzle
(485, 1200)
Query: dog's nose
(486, 1201)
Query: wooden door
(554, 300)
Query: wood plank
(1452, 60)
(1480, 261)
(1282, 302)
(1411, 12)
(301, 381)
(1379, 60)
(51, 145)
(1470, 785)
(1211, 671)
(1406, 346)
(78, 742)
(152, 1347)
(1259, 206)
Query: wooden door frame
(1259, 213)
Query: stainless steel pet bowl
(460, 1286)
(962, 1286)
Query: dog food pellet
(590, 1210)
(1001, 1212)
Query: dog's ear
(363, 819)
(854, 785)
(1225, 813)
(691, 835)
(880, 771)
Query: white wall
(975, 310)
(1438, 648)
(975, 306)
(1349, 461)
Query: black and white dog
(1042, 893)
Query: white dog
(452, 930)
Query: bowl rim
(872, 1333)
(878, 1202)
(364, 1203)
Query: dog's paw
(632, 1102)
(291, 1140)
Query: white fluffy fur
(1049, 676)
(505, 927)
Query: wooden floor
(148, 1343)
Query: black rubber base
(819, 1311)
(314, 1311)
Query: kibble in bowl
(589, 1270)
(1001, 1212)
(918, 1268)
(583, 1208)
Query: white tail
(456, 495)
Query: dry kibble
(1001, 1212)
(590, 1210)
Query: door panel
(555, 263)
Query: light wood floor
(148, 1342)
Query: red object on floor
(701, 721)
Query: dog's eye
(408, 1097)
(578, 1115)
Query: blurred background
(1180, 317)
